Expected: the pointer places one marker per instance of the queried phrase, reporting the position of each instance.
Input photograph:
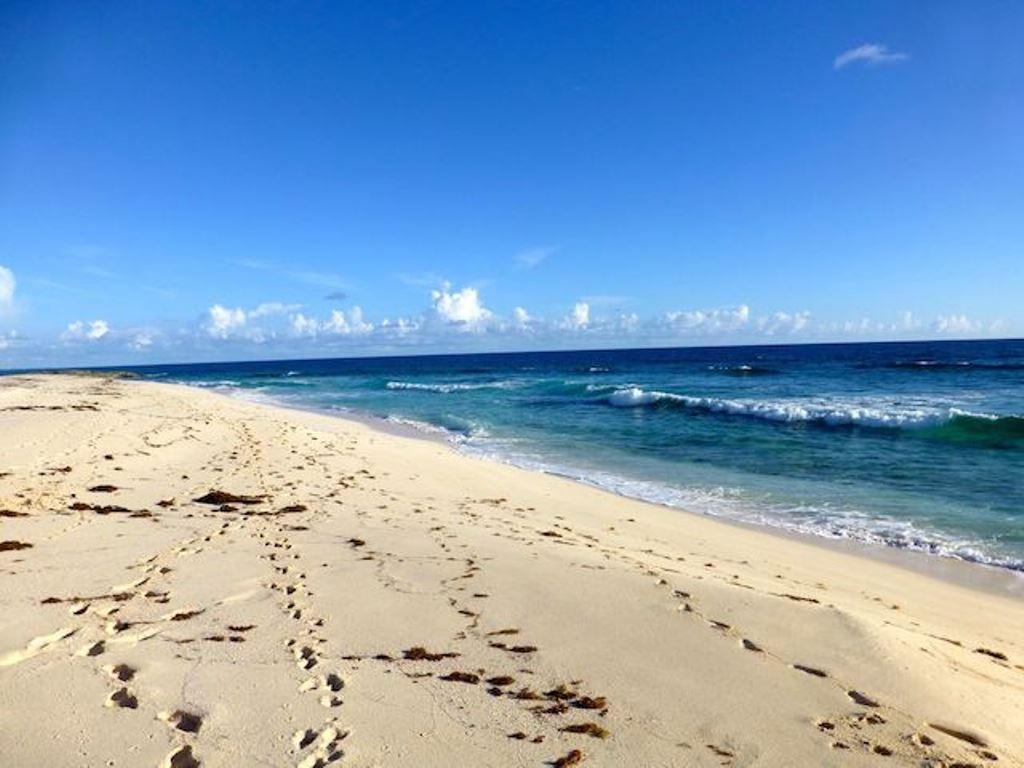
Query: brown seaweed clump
(461, 677)
(590, 729)
(218, 498)
(419, 653)
(13, 546)
(573, 757)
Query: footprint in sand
(121, 672)
(92, 649)
(305, 657)
(182, 721)
(329, 700)
(122, 698)
(325, 747)
(181, 757)
(303, 738)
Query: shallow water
(917, 445)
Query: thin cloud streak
(870, 54)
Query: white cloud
(142, 340)
(709, 321)
(230, 322)
(905, 323)
(462, 308)
(783, 322)
(521, 317)
(303, 325)
(628, 322)
(869, 54)
(579, 319)
(92, 331)
(339, 323)
(531, 257)
(458, 319)
(223, 321)
(955, 325)
(401, 327)
(351, 324)
(7, 286)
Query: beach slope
(188, 579)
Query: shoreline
(992, 578)
(196, 580)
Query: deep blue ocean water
(913, 445)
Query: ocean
(912, 445)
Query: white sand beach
(357, 598)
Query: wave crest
(446, 388)
(952, 423)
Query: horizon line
(495, 353)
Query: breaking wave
(446, 388)
(952, 423)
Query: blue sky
(186, 181)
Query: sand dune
(187, 579)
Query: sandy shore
(385, 601)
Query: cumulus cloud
(304, 326)
(142, 340)
(235, 322)
(91, 331)
(7, 286)
(783, 323)
(869, 54)
(457, 318)
(462, 308)
(350, 324)
(579, 318)
(223, 321)
(956, 325)
(628, 322)
(400, 327)
(708, 321)
(905, 323)
(339, 323)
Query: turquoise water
(918, 446)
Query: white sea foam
(424, 427)
(449, 387)
(834, 413)
(223, 385)
(825, 521)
